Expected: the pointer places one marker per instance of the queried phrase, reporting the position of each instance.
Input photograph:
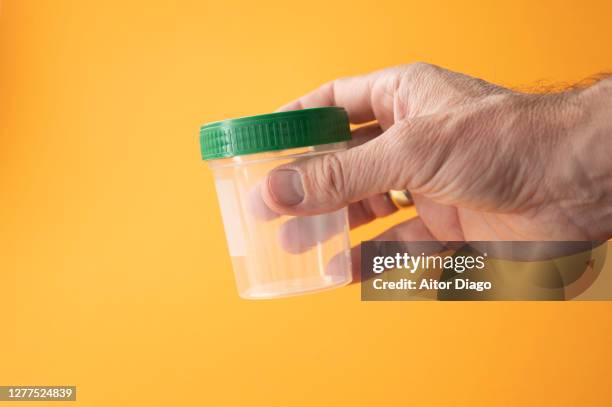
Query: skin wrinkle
(550, 228)
(381, 170)
(493, 228)
(379, 91)
(521, 181)
(598, 138)
(517, 178)
(370, 86)
(416, 83)
(390, 93)
(420, 168)
(402, 108)
(442, 220)
(333, 174)
(526, 198)
(316, 187)
(574, 222)
(460, 91)
(475, 184)
(524, 178)
(449, 140)
(578, 170)
(510, 172)
(587, 199)
(507, 226)
(439, 182)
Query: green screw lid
(274, 131)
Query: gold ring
(401, 199)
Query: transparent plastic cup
(276, 255)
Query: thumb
(332, 181)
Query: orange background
(114, 273)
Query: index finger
(353, 93)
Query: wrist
(584, 166)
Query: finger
(376, 206)
(261, 211)
(369, 209)
(363, 134)
(352, 93)
(330, 182)
(411, 230)
(442, 220)
(257, 207)
(302, 233)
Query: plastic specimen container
(275, 255)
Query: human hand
(482, 162)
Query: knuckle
(418, 70)
(418, 83)
(331, 180)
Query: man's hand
(482, 162)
